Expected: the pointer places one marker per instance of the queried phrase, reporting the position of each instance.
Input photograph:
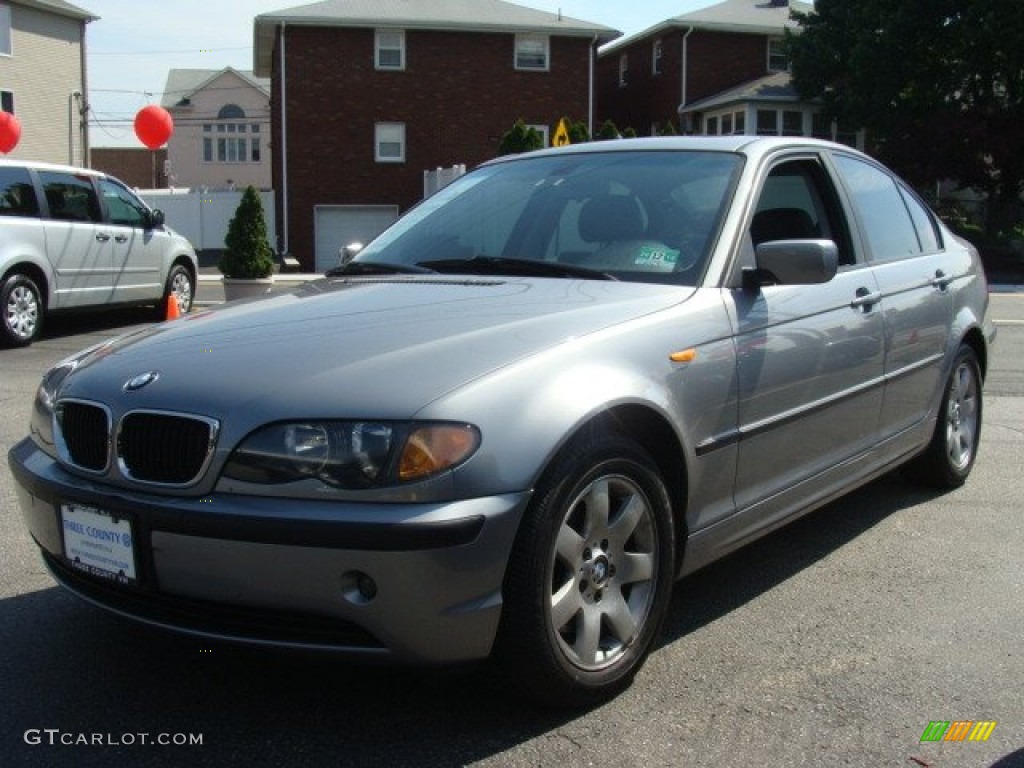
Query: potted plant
(248, 261)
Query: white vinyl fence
(203, 217)
(440, 177)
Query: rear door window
(70, 197)
(881, 210)
(17, 195)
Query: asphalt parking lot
(835, 641)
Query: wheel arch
(652, 432)
(975, 339)
(36, 273)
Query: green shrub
(247, 254)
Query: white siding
(44, 69)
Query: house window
(778, 61)
(7, 102)
(389, 143)
(767, 122)
(792, 123)
(390, 49)
(726, 123)
(532, 52)
(5, 30)
(623, 69)
(544, 132)
(234, 142)
(656, 54)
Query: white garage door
(341, 225)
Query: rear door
(915, 274)
(79, 253)
(810, 357)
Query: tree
(520, 138)
(247, 253)
(938, 84)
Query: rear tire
(949, 457)
(21, 311)
(590, 575)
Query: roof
(777, 87)
(439, 15)
(58, 7)
(753, 17)
(182, 83)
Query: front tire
(21, 306)
(949, 457)
(181, 285)
(590, 575)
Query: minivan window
(122, 206)
(70, 197)
(17, 195)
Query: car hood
(376, 347)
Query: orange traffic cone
(173, 313)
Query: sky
(134, 43)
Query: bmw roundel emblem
(140, 381)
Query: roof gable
(754, 17)
(184, 83)
(434, 15)
(59, 7)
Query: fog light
(358, 588)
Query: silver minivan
(72, 238)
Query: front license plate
(98, 543)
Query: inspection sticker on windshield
(656, 257)
(97, 543)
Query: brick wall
(135, 167)
(716, 61)
(457, 96)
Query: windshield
(641, 215)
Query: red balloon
(153, 126)
(10, 132)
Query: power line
(160, 53)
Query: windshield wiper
(377, 268)
(497, 265)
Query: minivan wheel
(590, 575)
(949, 457)
(181, 286)
(22, 309)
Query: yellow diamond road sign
(561, 137)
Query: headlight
(41, 423)
(350, 454)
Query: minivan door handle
(866, 298)
(102, 237)
(941, 280)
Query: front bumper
(288, 572)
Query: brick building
(366, 96)
(678, 72)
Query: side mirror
(793, 262)
(348, 252)
(156, 219)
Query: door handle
(941, 280)
(102, 237)
(866, 298)
(121, 238)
